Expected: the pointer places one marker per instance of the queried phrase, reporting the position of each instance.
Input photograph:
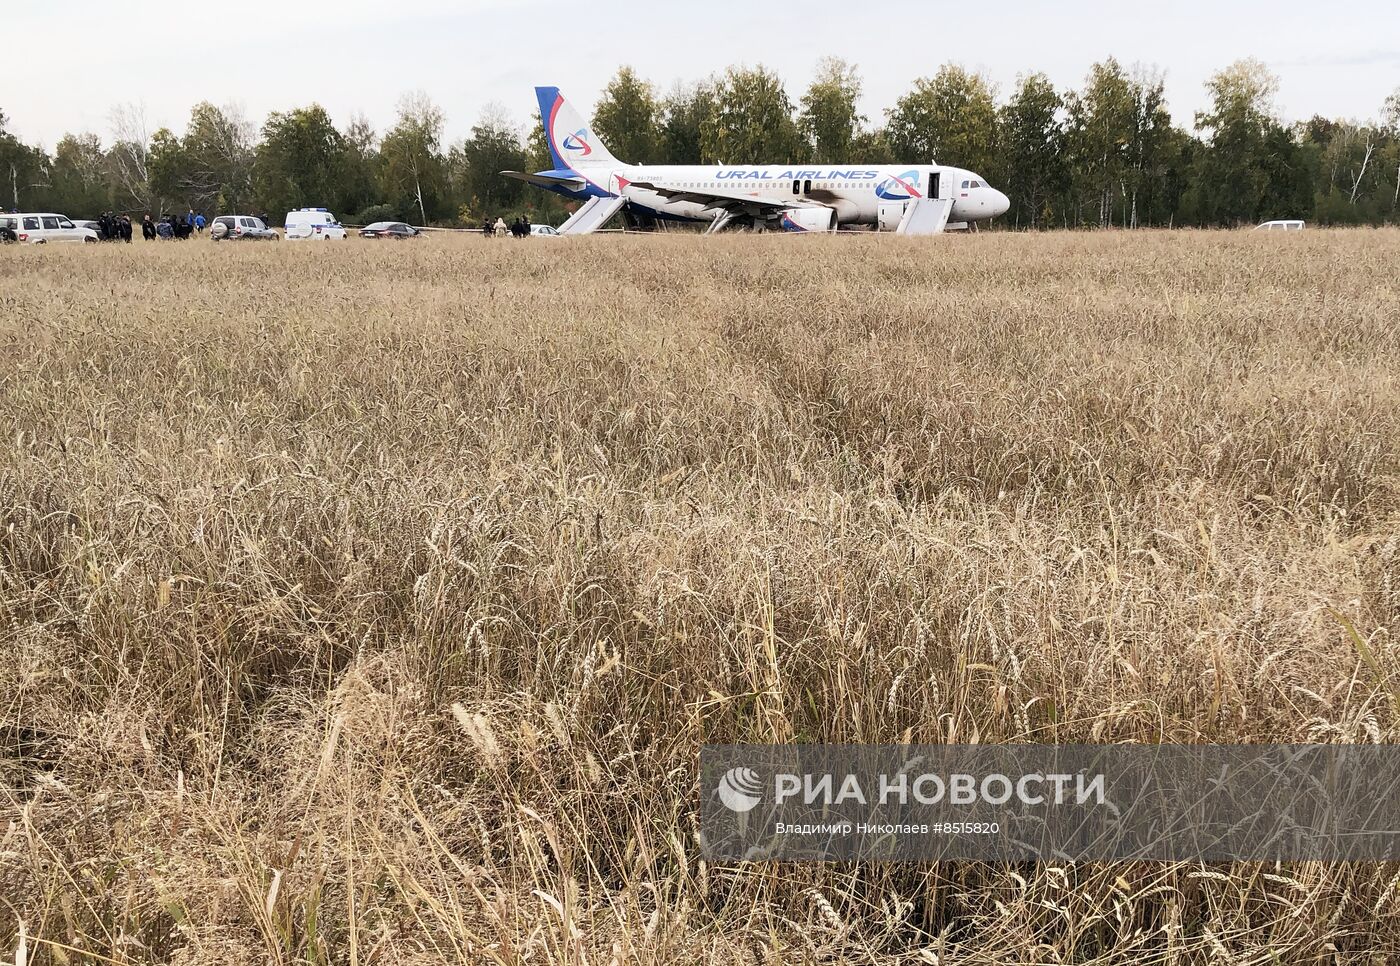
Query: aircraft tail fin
(572, 142)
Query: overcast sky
(1340, 60)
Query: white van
(40, 228)
(1282, 224)
(315, 223)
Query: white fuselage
(794, 197)
(860, 194)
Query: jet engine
(807, 219)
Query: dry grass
(369, 604)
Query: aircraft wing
(545, 180)
(736, 201)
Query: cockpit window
(976, 184)
(966, 184)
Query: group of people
(170, 226)
(114, 227)
(519, 228)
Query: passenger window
(50, 221)
(65, 223)
(31, 224)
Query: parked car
(246, 227)
(40, 228)
(1285, 224)
(546, 230)
(390, 229)
(312, 223)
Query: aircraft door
(889, 214)
(935, 190)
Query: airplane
(912, 199)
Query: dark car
(389, 229)
(9, 228)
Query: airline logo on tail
(578, 141)
(899, 187)
(572, 141)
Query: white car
(313, 223)
(40, 228)
(1287, 224)
(241, 227)
(546, 230)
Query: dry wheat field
(369, 603)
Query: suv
(317, 223)
(40, 228)
(241, 226)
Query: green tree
(1389, 161)
(625, 118)
(301, 161)
(217, 152)
(1287, 179)
(412, 171)
(829, 119)
(23, 169)
(166, 165)
(494, 146)
(752, 121)
(1151, 156)
(1240, 129)
(78, 177)
(684, 114)
(1033, 142)
(210, 168)
(544, 206)
(359, 188)
(1350, 174)
(870, 146)
(950, 118)
(1101, 128)
(537, 146)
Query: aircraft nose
(1000, 203)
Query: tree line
(1107, 154)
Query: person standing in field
(126, 229)
(199, 222)
(148, 228)
(500, 227)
